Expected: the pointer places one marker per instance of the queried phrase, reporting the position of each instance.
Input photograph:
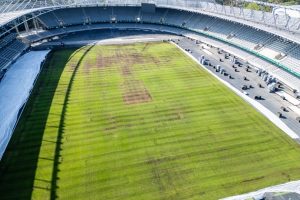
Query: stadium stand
(273, 48)
(98, 14)
(123, 15)
(10, 49)
(7, 39)
(250, 37)
(292, 60)
(235, 33)
(49, 20)
(261, 45)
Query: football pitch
(140, 121)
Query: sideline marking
(262, 109)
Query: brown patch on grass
(156, 161)
(121, 57)
(72, 64)
(125, 58)
(112, 124)
(88, 65)
(167, 178)
(174, 116)
(103, 62)
(137, 97)
(135, 92)
(126, 71)
(254, 179)
(169, 115)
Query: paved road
(271, 101)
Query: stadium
(149, 99)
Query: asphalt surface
(271, 101)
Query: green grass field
(140, 121)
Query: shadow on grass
(61, 128)
(19, 163)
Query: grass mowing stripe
(180, 134)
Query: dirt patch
(72, 64)
(88, 65)
(111, 124)
(254, 179)
(126, 71)
(135, 97)
(169, 115)
(128, 58)
(157, 161)
(103, 62)
(135, 92)
(174, 116)
(121, 57)
(156, 61)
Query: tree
(253, 6)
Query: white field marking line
(250, 59)
(288, 97)
(125, 39)
(293, 186)
(110, 41)
(266, 112)
(208, 52)
(204, 46)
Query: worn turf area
(140, 121)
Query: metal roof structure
(283, 21)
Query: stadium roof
(13, 5)
(9, 16)
(283, 21)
